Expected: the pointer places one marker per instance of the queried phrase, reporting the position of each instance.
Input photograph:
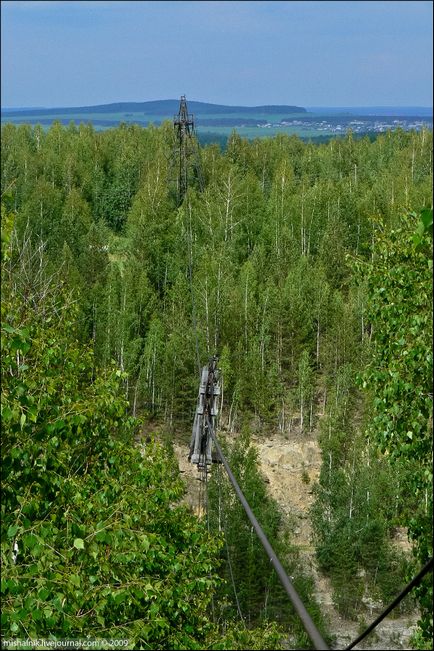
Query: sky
(319, 53)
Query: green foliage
(400, 310)
(100, 546)
(257, 267)
(93, 541)
(305, 387)
(268, 636)
(418, 641)
(425, 226)
(355, 508)
(399, 376)
(279, 212)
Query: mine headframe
(206, 415)
(186, 155)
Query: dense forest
(308, 270)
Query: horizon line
(365, 106)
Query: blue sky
(75, 53)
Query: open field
(249, 122)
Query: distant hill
(163, 108)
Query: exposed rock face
(190, 475)
(290, 467)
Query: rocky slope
(290, 467)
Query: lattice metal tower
(187, 151)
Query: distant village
(357, 126)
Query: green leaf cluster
(399, 375)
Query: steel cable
(208, 527)
(228, 556)
(414, 582)
(306, 619)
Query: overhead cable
(228, 556)
(414, 582)
(306, 619)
